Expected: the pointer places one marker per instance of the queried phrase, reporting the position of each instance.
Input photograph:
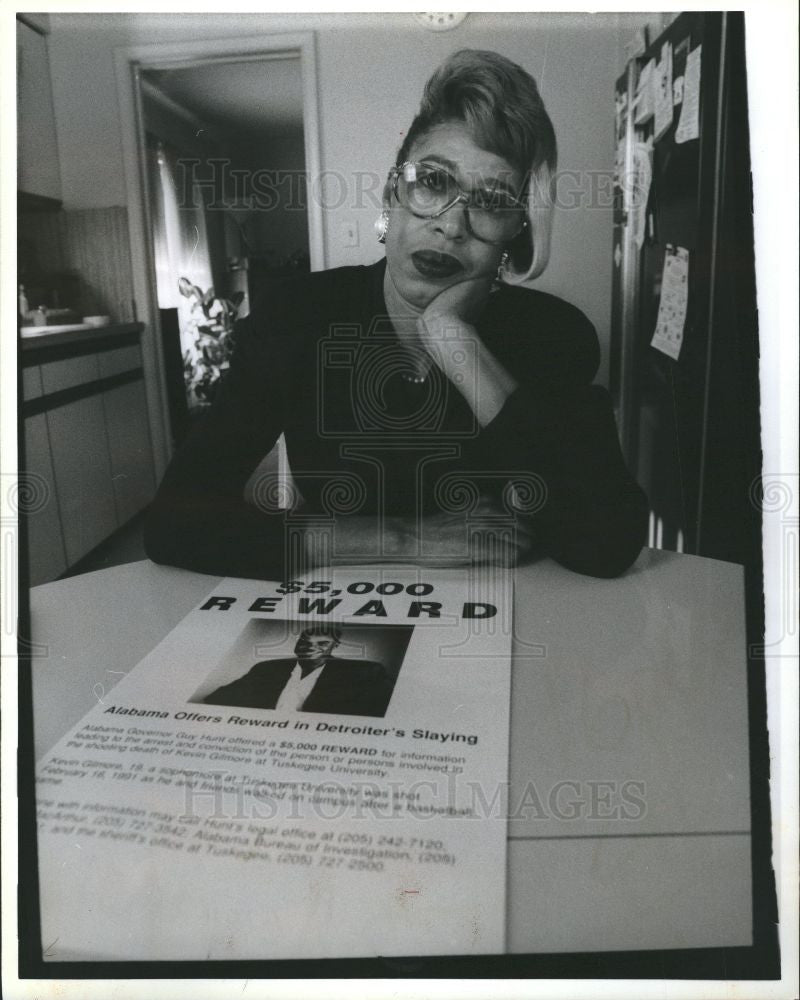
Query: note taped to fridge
(668, 337)
(662, 92)
(689, 121)
(310, 769)
(645, 96)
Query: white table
(639, 680)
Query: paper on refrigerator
(672, 307)
(640, 189)
(689, 121)
(645, 94)
(662, 92)
(187, 818)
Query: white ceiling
(254, 94)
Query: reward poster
(299, 770)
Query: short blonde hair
(500, 104)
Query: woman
(432, 411)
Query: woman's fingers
(460, 300)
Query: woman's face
(425, 256)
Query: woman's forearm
(487, 385)
(352, 539)
(470, 366)
(589, 513)
(434, 540)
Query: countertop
(36, 343)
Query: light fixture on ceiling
(439, 22)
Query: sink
(39, 331)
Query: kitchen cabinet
(129, 449)
(37, 147)
(82, 469)
(46, 556)
(87, 442)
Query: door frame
(129, 63)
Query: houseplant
(207, 338)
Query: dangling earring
(498, 280)
(382, 226)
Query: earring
(501, 267)
(382, 226)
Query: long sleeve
(199, 519)
(556, 425)
(591, 515)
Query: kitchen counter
(85, 335)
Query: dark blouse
(319, 361)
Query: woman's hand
(448, 337)
(459, 303)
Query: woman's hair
(500, 105)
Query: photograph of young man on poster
(314, 679)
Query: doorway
(226, 188)
(225, 135)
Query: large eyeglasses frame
(462, 196)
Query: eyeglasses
(427, 190)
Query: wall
(371, 69)
(631, 24)
(92, 246)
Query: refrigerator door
(682, 250)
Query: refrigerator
(684, 333)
